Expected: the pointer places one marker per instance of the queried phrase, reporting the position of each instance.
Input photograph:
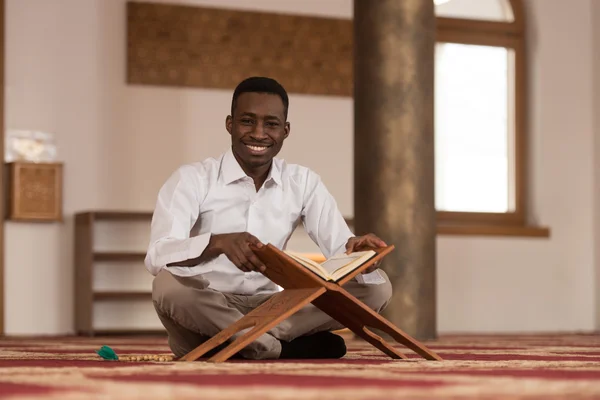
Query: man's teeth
(256, 148)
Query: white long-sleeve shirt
(215, 196)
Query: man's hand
(366, 242)
(236, 246)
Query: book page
(341, 261)
(336, 266)
(308, 263)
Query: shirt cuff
(164, 253)
(197, 245)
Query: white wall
(53, 83)
(66, 74)
(596, 69)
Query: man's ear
(287, 129)
(229, 123)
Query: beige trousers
(192, 313)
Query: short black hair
(261, 84)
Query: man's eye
(272, 124)
(246, 121)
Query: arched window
(480, 115)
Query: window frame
(510, 35)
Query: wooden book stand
(301, 287)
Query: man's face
(257, 128)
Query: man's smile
(257, 149)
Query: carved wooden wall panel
(189, 46)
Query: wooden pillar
(393, 150)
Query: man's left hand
(366, 242)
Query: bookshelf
(86, 259)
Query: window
(480, 117)
(474, 131)
(487, 10)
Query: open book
(336, 267)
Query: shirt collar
(274, 173)
(231, 170)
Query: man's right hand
(236, 246)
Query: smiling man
(209, 213)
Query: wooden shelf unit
(118, 256)
(128, 332)
(122, 295)
(86, 256)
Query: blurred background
(74, 70)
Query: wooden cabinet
(34, 191)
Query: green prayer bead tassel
(107, 353)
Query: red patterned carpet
(475, 367)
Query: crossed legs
(192, 313)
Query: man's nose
(259, 131)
